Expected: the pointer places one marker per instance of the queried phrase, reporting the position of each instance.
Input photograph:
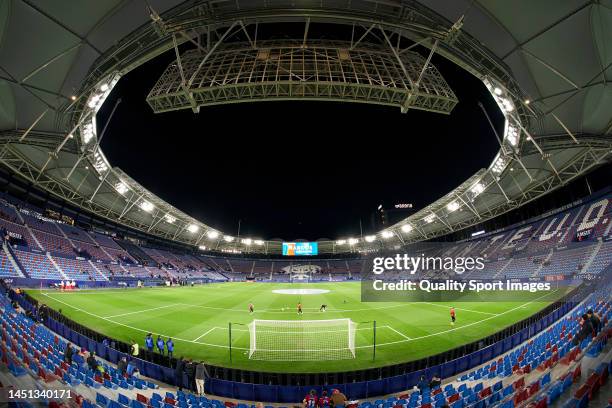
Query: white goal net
(299, 278)
(302, 340)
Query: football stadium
(300, 203)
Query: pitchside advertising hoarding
(300, 248)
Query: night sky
(297, 170)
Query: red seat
(577, 373)
(519, 383)
(453, 398)
(485, 392)
(141, 398)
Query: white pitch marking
(205, 334)
(141, 311)
(459, 308)
(357, 347)
(400, 333)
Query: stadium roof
(549, 61)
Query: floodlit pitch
(197, 318)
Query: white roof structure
(548, 64)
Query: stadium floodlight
(452, 206)
(477, 188)
(387, 234)
(212, 234)
(406, 228)
(121, 187)
(341, 242)
(169, 218)
(370, 238)
(512, 135)
(146, 206)
(247, 241)
(302, 340)
(498, 91)
(353, 241)
(258, 242)
(228, 238)
(499, 165)
(192, 228)
(104, 87)
(202, 247)
(430, 218)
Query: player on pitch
(299, 308)
(452, 315)
(251, 308)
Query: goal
(302, 340)
(299, 278)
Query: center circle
(300, 291)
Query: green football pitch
(197, 318)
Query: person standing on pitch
(299, 308)
(170, 347)
(149, 342)
(452, 315)
(251, 308)
(160, 345)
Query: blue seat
(101, 400)
(123, 400)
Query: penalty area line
(398, 332)
(141, 330)
(207, 332)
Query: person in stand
(324, 400)
(170, 347)
(179, 370)
(422, 384)
(122, 365)
(160, 345)
(68, 352)
(133, 349)
(92, 363)
(338, 399)
(310, 400)
(595, 320)
(200, 375)
(190, 371)
(149, 342)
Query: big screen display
(300, 248)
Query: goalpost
(299, 278)
(302, 340)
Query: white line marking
(357, 347)
(140, 330)
(141, 311)
(401, 334)
(459, 308)
(198, 338)
(457, 328)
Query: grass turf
(197, 319)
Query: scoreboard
(300, 248)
